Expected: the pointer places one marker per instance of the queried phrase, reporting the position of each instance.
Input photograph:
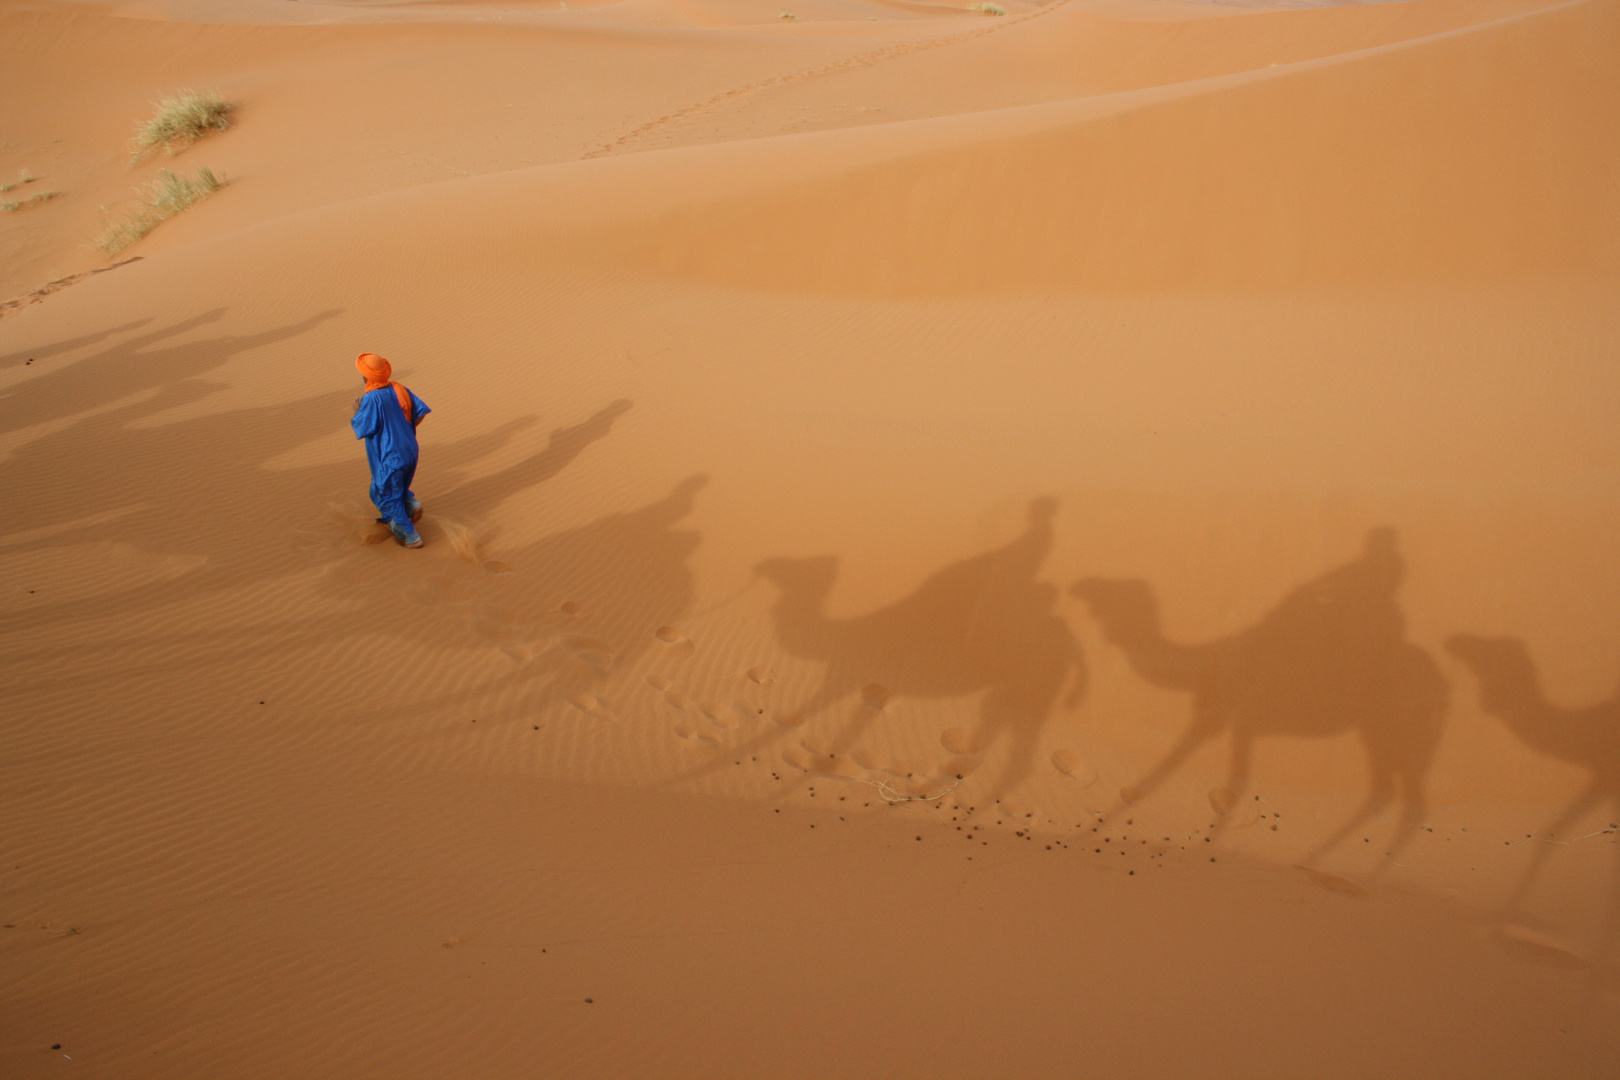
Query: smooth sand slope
(1077, 543)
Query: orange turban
(377, 372)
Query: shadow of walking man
(1330, 658)
(981, 625)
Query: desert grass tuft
(24, 177)
(162, 199)
(11, 206)
(181, 121)
(988, 8)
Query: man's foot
(413, 506)
(407, 536)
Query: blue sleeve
(419, 408)
(366, 421)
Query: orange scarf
(376, 371)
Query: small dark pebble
(919, 838)
(56, 1046)
(588, 1001)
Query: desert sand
(1071, 543)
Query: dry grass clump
(988, 9)
(11, 206)
(24, 177)
(181, 121)
(163, 198)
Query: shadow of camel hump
(1510, 690)
(981, 625)
(1330, 658)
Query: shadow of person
(1330, 658)
(1510, 689)
(477, 497)
(981, 625)
(119, 468)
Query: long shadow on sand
(1330, 658)
(1510, 689)
(983, 626)
(110, 473)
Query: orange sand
(1079, 543)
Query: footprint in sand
(571, 607)
(764, 676)
(819, 747)
(675, 642)
(788, 718)
(1072, 764)
(958, 741)
(677, 700)
(717, 716)
(876, 695)
(440, 591)
(1334, 883)
(598, 654)
(658, 682)
(590, 706)
(692, 731)
(1539, 947)
(1231, 806)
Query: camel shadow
(1330, 658)
(983, 625)
(1510, 689)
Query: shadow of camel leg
(1194, 737)
(1381, 795)
(998, 716)
(1414, 807)
(1578, 806)
(1237, 781)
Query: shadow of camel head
(1501, 665)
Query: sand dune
(1070, 543)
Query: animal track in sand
(1334, 883)
(571, 607)
(958, 741)
(717, 716)
(788, 718)
(592, 651)
(692, 731)
(764, 676)
(876, 695)
(590, 706)
(1540, 947)
(1072, 764)
(868, 58)
(675, 641)
(1231, 806)
(677, 699)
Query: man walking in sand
(386, 415)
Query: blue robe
(390, 450)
